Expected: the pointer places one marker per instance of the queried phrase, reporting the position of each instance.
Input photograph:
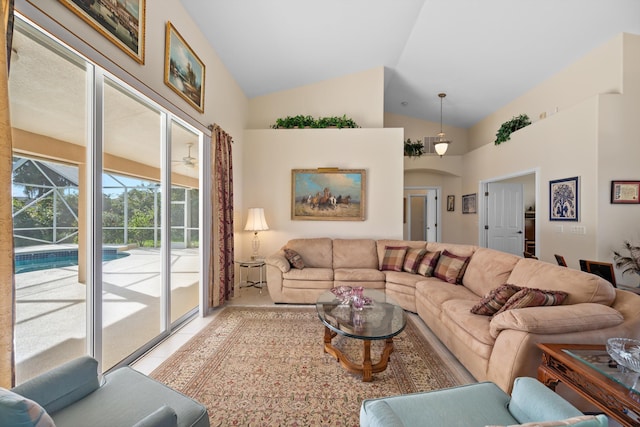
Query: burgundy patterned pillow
(393, 258)
(428, 263)
(451, 267)
(412, 259)
(494, 300)
(530, 297)
(294, 259)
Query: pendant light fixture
(440, 142)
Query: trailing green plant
(508, 127)
(413, 149)
(630, 263)
(300, 121)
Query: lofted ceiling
(483, 54)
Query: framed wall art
(328, 194)
(123, 23)
(625, 192)
(563, 199)
(451, 203)
(183, 70)
(469, 203)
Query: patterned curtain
(7, 285)
(221, 269)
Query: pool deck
(51, 309)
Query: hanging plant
(413, 149)
(308, 121)
(508, 127)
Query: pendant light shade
(440, 142)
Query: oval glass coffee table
(381, 320)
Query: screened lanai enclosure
(107, 210)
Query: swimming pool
(58, 258)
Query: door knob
(520, 232)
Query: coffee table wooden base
(366, 368)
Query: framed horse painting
(328, 194)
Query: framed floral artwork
(563, 199)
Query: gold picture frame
(124, 26)
(328, 194)
(184, 72)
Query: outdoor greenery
(301, 122)
(413, 149)
(508, 127)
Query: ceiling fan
(188, 161)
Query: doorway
(507, 202)
(422, 210)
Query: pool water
(44, 260)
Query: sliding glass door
(106, 211)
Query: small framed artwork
(625, 192)
(183, 70)
(328, 194)
(122, 22)
(563, 199)
(469, 203)
(451, 203)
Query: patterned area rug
(255, 366)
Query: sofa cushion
(16, 410)
(358, 274)
(355, 253)
(309, 274)
(451, 267)
(581, 286)
(457, 312)
(557, 320)
(529, 297)
(488, 269)
(316, 252)
(393, 258)
(495, 300)
(294, 258)
(412, 259)
(428, 263)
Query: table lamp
(255, 223)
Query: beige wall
(359, 96)
(600, 71)
(271, 155)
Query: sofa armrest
(532, 401)
(164, 416)
(378, 413)
(278, 260)
(63, 385)
(557, 319)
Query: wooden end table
(587, 369)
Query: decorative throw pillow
(494, 300)
(531, 297)
(451, 267)
(294, 258)
(412, 259)
(16, 410)
(428, 263)
(393, 258)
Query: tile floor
(151, 360)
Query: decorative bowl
(342, 293)
(625, 351)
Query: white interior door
(505, 217)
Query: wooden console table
(591, 377)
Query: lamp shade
(255, 220)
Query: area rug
(256, 366)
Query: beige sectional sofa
(495, 348)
